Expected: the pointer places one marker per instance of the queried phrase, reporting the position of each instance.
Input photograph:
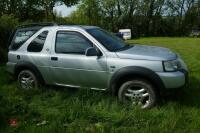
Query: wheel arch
(127, 73)
(29, 66)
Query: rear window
(20, 37)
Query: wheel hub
(27, 81)
(138, 95)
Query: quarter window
(37, 44)
(71, 43)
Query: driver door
(70, 66)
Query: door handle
(54, 58)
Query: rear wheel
(27, 80)
(138, 92)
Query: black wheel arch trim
(22, 65)
(135, 71)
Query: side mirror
(92, 52)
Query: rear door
(69, 64)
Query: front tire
(27, 80)
(138, 92)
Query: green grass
(72, 110)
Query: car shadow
(187, 96)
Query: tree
(48, 5)
(7, 24)
(88, 12)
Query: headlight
(171, 66)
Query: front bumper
(172, 80)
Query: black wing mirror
(92, 52)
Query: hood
(147, 53)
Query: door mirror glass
(91, 52)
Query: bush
(7, 25)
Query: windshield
(110, 42)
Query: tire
(27, 80)
(138, 92)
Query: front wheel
(138, 92)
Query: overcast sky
(64, 10)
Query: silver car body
(94, 71)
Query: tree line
(143, 17)
(35, 10)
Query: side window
(21, 36)
(37, 44)
(71, 43)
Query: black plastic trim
(134, 72)
(37, 24)
(22, 65)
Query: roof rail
(37, 24)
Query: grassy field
(64, 110)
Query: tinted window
(37, 44)
(71, 42)
(110, 42)
(21, 36)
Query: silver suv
(87, 56)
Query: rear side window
(37, 44)
(21, 36)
